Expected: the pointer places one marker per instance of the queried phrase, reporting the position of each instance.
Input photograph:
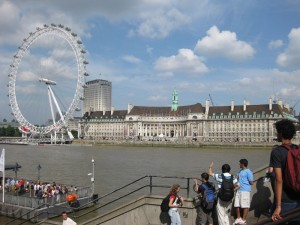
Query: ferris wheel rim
(78, 51)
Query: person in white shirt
(67, 220)
(223, 207)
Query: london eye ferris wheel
(46, 79)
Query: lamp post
(93, 176)
(39, 170)
(16, 170)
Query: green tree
(17, 133)
(75, 133)
(4, 120)
(10, 131)
(2, 132)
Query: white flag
(2, 166)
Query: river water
(116, 166)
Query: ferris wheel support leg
(58, 109)
(56, 104)
(53, 139)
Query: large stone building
(232, 123)
(97, 96)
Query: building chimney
(130, 106)
(206, 106)
(112, 110)
(91, 110)
(270, 103)
(245, 104)
(287, 106)
(232, 105)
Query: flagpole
(3, 171)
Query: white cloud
(9, 22)
(158, 98)
(184, 62)
(131, 59)
(275, 44)
(245, 81)
(149, 50)
(253, 82)
(27, 89)
(160, 23)
(28, 76)
(291, 55)
(166, 74)
(224, 44)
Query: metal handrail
(151, 185)
(287, 216)
(31, 202)
(108, 194)
(20, 217)
(32, 218)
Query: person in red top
(22, 188)
(175, 202)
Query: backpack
(226, 192)
(164, 206)
(291, 173)
(208, 197)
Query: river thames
(116, 166)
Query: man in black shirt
(286, 199)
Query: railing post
(150, 185)
(188, 188)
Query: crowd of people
(38, 189)
(236, 189)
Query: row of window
(246, 116)
(212, 134)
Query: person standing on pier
(225, 192)
(286, 198)
(175, 201)
(67, 220)
(242, 198)
(205, 211)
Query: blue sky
(229, 49)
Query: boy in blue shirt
(242, 198)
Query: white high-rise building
(97, 96)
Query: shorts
(242, 199)
(204, 216)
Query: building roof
(166, 111)
(260, 110)
(250, 109)
(97, 81)
(99, 114)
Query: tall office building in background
(97, 96)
